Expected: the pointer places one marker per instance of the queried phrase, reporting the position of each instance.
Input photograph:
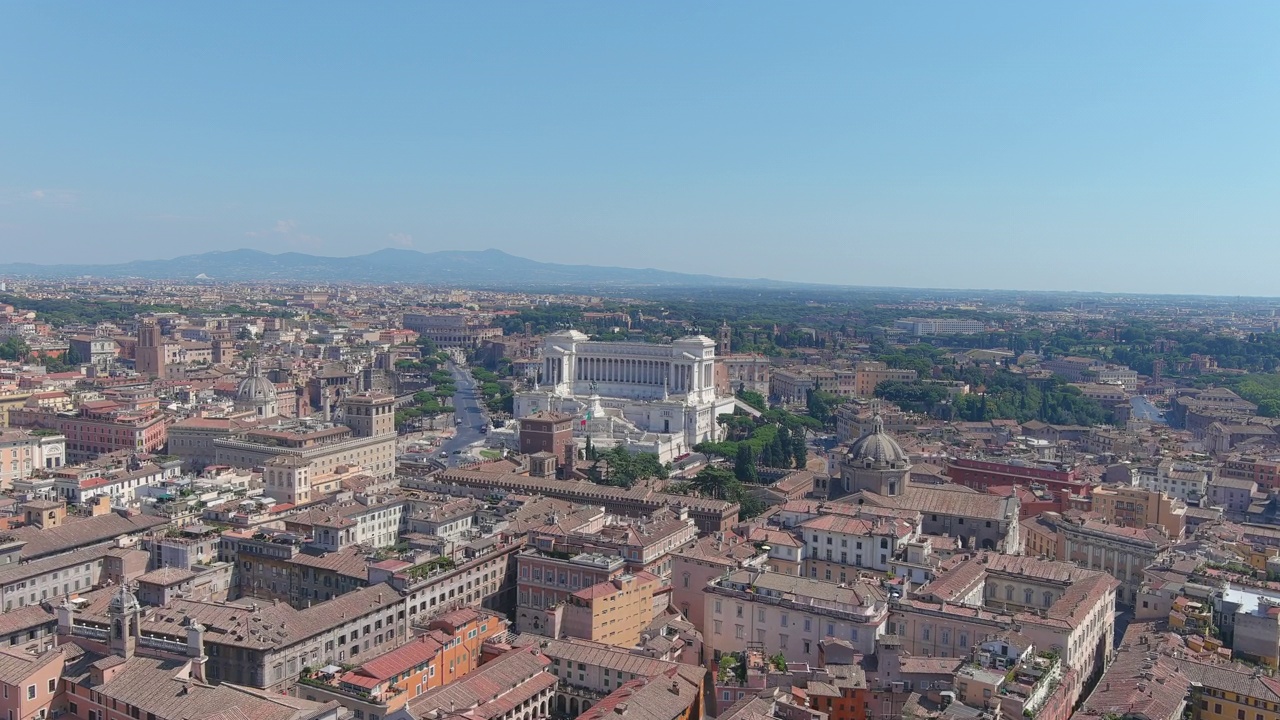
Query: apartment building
(593, 675)
(614, 612)
(1179, 479)
(1122, 552)
(1136, 507)
(837, 545)
(1055, 605)
(791, 614)
(1265, 471)
(548, 579)
(513, 686)
(448, 648)
(99, 428)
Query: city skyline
(1083, 147)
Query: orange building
(447, 651)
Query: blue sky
(1131, 146)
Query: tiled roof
(79, 533)
(393, 663)
(596, 654)
(20, 571)
(166, 576)
(1137, 682)
(269, 626)
(25, 618)
(664, 697)
(348, 561)
(162, 688)
(17, 666)
(954, 501)
(491, 690)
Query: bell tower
(124, 612)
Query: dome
(255, 388)
(878, 447)
(123, 602)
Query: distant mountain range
(472, 268)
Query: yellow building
(613, 612)
(1140, 508)
(1229, 692)
(9, 402)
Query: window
(31, 692)
(1026, 596)
(53, 685)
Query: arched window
(1048, 598)
(1008, 593)
(1026, 596)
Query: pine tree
(784, 447)
(799, 451)
(744, 467)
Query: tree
(14, 348)
(713, 482)
(744, 467)
(72, 358)
(754, 399)
(822, 405)
(799, 451)
(782, 452)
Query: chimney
(675, 687)
(65, 614)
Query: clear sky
(1121, 146)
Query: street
(1144, 409)
(472, 413)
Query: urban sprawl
(287, 502)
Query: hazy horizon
(1084, 146)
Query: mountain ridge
(483, 268)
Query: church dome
(877, 447)
(255, 388)
(123, 602)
